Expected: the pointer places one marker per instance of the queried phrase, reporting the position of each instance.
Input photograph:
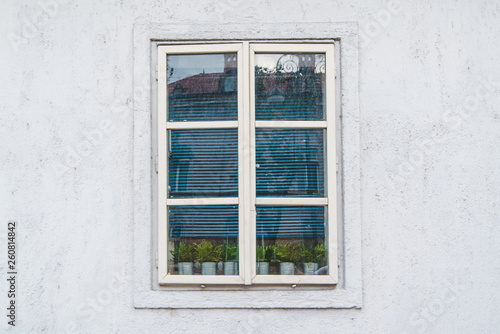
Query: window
(149, 291)
(247, 164)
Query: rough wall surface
(430, 130)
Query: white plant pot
(230, 268)
(310, 268)
(185, 268)
(208, 268)
(287, 268)
(263, 268)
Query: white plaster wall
(430, 165)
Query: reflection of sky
(183, 66)
(267, 61)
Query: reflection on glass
(290, 86)
(290, 162)
(202, 87)
(203, 163)
(291, 240)
(203, 240)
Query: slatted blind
(290, 222)
(221, 221)
(203, 163)
(290, 162)
(203, 107)
(203, 221)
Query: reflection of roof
(209, 83)
(199, 83)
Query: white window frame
(163, 201)
(247, 199)
(148, 293)
(331, 163)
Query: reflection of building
(208, 82)
(285, 94)
(205, 96)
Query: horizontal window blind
(305, 106)
(290, 222)
(290, 162)
(221, 221)
(203, 163)
(203, 107)
(203, 221)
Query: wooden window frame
(247, 200)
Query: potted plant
(287, 254)
(308, 259)
(265, 254)
(319, 253)
(208, 255)
(231, 259)
(184, 256)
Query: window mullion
(247, 208)
(252, 187)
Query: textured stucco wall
(430, 165)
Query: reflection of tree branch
(170, 71)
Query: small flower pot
(287, 268)
(208, 268)
(310, 268)
(263, 268)
(185, 268)
(230, 268)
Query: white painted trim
(294, 279)
(252, 193)
(348, 292)
(202, 125)
(291, 124)
(203, 201)
(331, 164)
(308, 201)
(245, 170)
(162, 168)
(200, 279)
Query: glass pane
(290, 86)
(291, 240)
(202, 87)
(203, 163)
(203, 240)
(290, 162)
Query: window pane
(203, 240)
(290, 86)
(202, 87)
(291, 234)
(203, 163)
(290, 162)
